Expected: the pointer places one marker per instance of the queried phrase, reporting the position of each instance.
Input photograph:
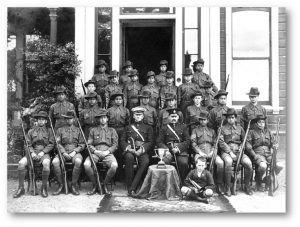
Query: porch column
(178, 45)
(116, 42)
(53, 28)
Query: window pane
(104, 18)
(147, 10)
(191, 17)
(104, 37)
(191, 41)
(250, 34)
(189, 59)
(250, 73)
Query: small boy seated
(199, 183)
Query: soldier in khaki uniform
(101, 79)
(153, 89)
(150, 114)
(170, 87)
(203, 140)
(60, 108)
(83, 102)
(252, 109)
(185, 91)
(132, 90)
(231, 138)
(160, 79)
(40, 141)
(71, 144)
(124, 78)
(103, 142)
(112, 87)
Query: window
(147, 10)
(251, 53)
(191, 35)
(103, 44)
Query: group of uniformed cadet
(123, 121)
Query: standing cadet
(259, 145)
(83, 102)
(216, 115)
(185, 91)
(150, 114)
(176, 138)
(87, 116)
(124, 78)
(194, 111)
(142, 136)
(208, 95)
(160, 79)
(40, 141)
(231, 138)
(132, 90)
(101, 79)
(60, 108)
(103, 142)
(71, 144)
(252, 109)
(163, 117)
(153, 89)
(170, 87)
(203, 139)
(112, 87)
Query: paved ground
(258, 203)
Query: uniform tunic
(154, 98)
(111, 89)
(231, 137)
(203, 138)
(160, 79)
(249, 112)
(192, 113)
(131, 92)
(150, 115)
(87, 118)
(201, 79)
(163, 117)
(84, 103)
(167, 89)
(185, 91)
(124, 79)
(216, 116)
(101, 81)
(57, 110)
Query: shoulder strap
(173, 132)
(137, 131)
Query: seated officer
(142, 136)
(202, 178)
(103, 142)
(231, 138)
(153, 89)
(40, 141)
(203, 140)
(70, 143)
(259, 147)
(83, 102)
(176, 138)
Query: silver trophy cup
(160, 153)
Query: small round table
(161, 184)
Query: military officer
(216, 115)
(175, 137)
(103, 142)
(252, 109)
(112, 87)
(71, 144)
(101, 79)
(203, 140)
(132, 90)
(124, 79)
(185, 91)
(170, 87)
(83, 102)
(153, 89)
(40, 141)
(60, 108)
(160, 79)
(142, 136)
(150, 114)
(231, 138)
(259, 147)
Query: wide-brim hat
(150, 73)
(253, 91)
(172, 111)
(70, 114)
(114, 95)
(86, 84)
(127, 63)
(258, 117)
(220, 93)
(133, 72)
(170, 96)
(138, 109)
(230, 111)
(101, 113)
(170, 74)
(101, 62)
(163, 62)
(42, 114)
(198, 93)
(203, 115)
(187, 71)
(113, 73)
(145, 94)
(201, 61)
(90, 95)
(60, 89)
(207, 84)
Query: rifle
(196, 185)
(241, 153)
(62, 163)
(227, 80)
(131, 142)
(83, 87)
(91, 157)
(215, 151)
(31, 183)
(172, 145)
(273, 182)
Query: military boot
(248, 189)
(74, 189)
(220, 189)
(19, 192)
(44, 192)
(227, 190)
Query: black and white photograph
(161, 109)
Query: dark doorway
(146, 46)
